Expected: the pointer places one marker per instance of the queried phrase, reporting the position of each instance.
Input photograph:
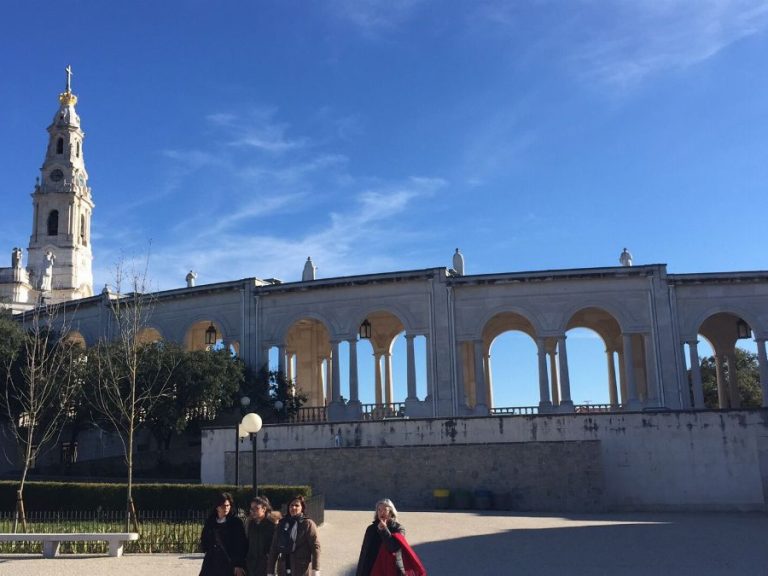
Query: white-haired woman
(385, 552)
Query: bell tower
(59, 254)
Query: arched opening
(729, 367)
(204, 335)
(599, 378)
(508, 374)
(148, 335)
(53, 223)
(76, 338)
(308, 360)
(60, 145)
(83, 237)
(78, 148)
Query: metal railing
(305, 414)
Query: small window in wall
(83, 235)
(53, 223)
(60, 146)
(78, 149)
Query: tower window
(78, 149)
(83, 236)
(53, 223)
(60, 146)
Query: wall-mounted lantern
(365, 330)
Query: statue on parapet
(458, 262)
(191, 277)
(309, 270)
(46, 278)
(626, 258)
(16, 258)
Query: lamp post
(251, 424)
(239, 434)
(279, 409)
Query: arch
(530, 316)
(737, 311)
(53, 223)
(307, 359)
(598, 320)
(148, 335)
(280, 333)
(195, 336)
(406, 319)
(726, 375)
(60, 145)
(76, 338)
(592, 310)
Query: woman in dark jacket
(260, 529)
(295, 545)
(223, 540)
(385, 551)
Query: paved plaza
(498, 544)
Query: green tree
(202, 384)
(266, 388)
(747, 380)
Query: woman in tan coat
(295, 548)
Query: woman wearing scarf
(385, 551)
(295, 547)
(223, 540)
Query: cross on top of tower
(69, 77)
(67, 98)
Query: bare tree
(40, 369)
(127, 382)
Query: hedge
(53, 496)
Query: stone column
(698, 390)
(328, 380)
(481, 404)
(289, 366)
(762, 359)
(544, 404)
(411, 367)
(613, 391)
(388, 387)
(733, 383)
(629, 369)
(377, 377)
(354, 393)
(488, 378)
(335, 372)
(722, 396)
(553, 378)
(565, 381)
(281, 358)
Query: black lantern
(743, 330)
(210, 335)
(365, 330)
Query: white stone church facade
(649, 320)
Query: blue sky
(237, 138)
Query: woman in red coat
(385, 551)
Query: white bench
(51, 542)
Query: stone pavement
(499, 544)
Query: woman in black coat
(260, 529)
(223, 540)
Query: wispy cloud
(374, 17)
(363, 238)
(631, 41)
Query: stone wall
(523, 476)
(704, 460)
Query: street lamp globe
(251, 423)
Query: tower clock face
(57, 175)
